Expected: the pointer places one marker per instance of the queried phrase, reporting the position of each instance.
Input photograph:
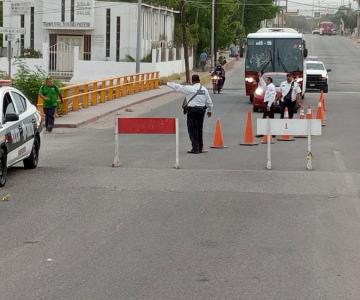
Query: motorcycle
(217, 82)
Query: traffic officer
(198, 101)
(269, 96)
(290, 95)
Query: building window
(32, 23)
(53, 51)
(72, 10)
(118, 27)
(108, 20)
(62, 10)
(87, 47)
(22, 37)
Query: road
(221, 227)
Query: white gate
(62, 55)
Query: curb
(93, 119)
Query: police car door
(26, 124)
(11, 129)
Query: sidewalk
(93, 113)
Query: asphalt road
(221, 227)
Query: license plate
(312, 84)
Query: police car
(20, 128)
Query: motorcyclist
(219, 71)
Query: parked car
(316, 31)
(258, 102)
(20, 130)
(316, 76)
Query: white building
(103, 30)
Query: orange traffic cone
(218, 137)
(309, 113)
(320, 114)
(302, 116)
(249, 133)
(285, 137)
(323, 100)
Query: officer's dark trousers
(291, 108)
(268, 113)
(49, 117)
(195, 122)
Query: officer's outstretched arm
(185, 89)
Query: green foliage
(229, 27)
(31, 53)
(29, 82)
(147, 58)
(129, 58)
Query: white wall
(97, 70)
(31, 63)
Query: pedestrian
(198, 102)
(290, 95)
(269, 96)
(50, 94)
(203, 60)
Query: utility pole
(243, 14)
(9, 54)
(185, 40)
(215, 31)
(138, 42)
(358, 19)
(212, 34)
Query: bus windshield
(274, 55)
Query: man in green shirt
(50, 94)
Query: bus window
(259, 55)
(288, 55)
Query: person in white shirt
(269, 96)
(290, 95)
(198, 99)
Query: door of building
(62, 54)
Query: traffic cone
(249, 133)
(302, 116)
(285, 137)
(218, 137)
(323, 100)
(323, 108)
(320, 114)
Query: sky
(306, 6)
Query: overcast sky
(306, 6)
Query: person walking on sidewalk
(269, 97)
(198, 101)
(50, 94)
(290, 95)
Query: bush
(29, 82)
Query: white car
(316, 75)
(20, 129)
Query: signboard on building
(20, 7)
(78, 17)
(12, 30)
